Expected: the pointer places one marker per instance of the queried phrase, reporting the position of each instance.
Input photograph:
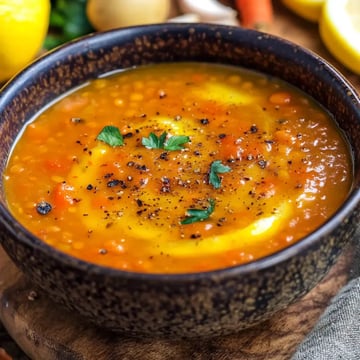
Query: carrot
(255, 14)
(63, 195)
(229, 149)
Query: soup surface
(178, 168)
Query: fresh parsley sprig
(111, 135)
(176, 142)
(195, 215)
(153, 141)
(216, 168)
(172, 143)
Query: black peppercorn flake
(113, 183)
(253, 129)
(195, 236)
(43, 208)
(77, 120)
(141, 167)
(262, 164)
(128, 135)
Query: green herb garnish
(111, 135)
(195, 215)
(68, 20)
(154, 142)
(217, 168)
(175, 142)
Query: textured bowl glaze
(201, 304)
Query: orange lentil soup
(178, 168)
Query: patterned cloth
(336, 336)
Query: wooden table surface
(46, 331)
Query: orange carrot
(63, 196)
(255, 14)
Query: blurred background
(31, 27)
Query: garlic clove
(207, 10)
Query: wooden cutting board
(46, 331)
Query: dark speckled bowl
(216, 302)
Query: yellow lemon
(23, 27)
(308, 9)
(340, 31)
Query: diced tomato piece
(63, 196)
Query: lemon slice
(340, 31)
(308, 9)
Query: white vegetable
(185, 18)
(192, 18)
(207, 10)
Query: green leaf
(171, 144)
(176, 142)
(111, 135)
(154, 142)
(195, 215)
(68, 21)
(216, 168)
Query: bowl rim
(22, 234)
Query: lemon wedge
(308, 9)
(340, 31)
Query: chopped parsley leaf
(173, 143)
(111, 135)
(195, 215)
(217, 168)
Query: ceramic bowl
(186, 305)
